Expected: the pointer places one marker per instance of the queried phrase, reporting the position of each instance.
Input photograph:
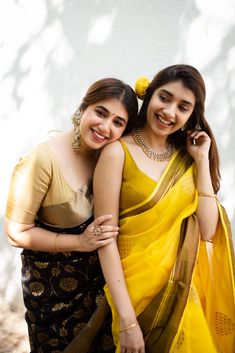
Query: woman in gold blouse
(49, 215)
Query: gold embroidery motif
(53, 342)
(98, 299)
(223, 324)
(41, 264)
(36, 288)
(59, 306)
(55, 271)
(68, 284)
(27, 275)
(69, 268)
(179, 341)
(125, 246)
(36, 274)
(187, 183)
(63, 332)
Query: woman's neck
(156, 142)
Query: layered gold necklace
(160, 157)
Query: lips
(162, 122)
(98, 136)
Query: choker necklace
(160, 157)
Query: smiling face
(170, 107)
(102, 122)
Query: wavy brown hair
(191, 79)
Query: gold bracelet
(207, 195)
(128, 327)
(208, 241)
(56, 242)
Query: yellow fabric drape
(150, 245)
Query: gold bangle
(208, 241)
(207, 195)
(56, 242)
(128, 327)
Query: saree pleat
(170, 274)
(170, 303)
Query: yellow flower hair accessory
(141, 86)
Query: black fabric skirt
(61, 292)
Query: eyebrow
(107, 111)
(170, 94)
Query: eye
(118, 122)
(183, 108)
(100, 113)
(163, 98)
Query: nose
(170, 110)
(105, 126)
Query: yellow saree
(181, 288)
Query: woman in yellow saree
(170, 281)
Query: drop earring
(76, 119)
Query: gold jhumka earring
(76, 119)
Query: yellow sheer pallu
(182, 289)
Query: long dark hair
(192, 79)
(113, 88)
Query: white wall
(51, 51)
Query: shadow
(52, 63)
(55, 52)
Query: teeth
(163, 121)
(98, 135)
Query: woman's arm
(28, 236)
(207, 211)
(29, 186)
(107, 186)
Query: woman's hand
(27, 236)
(132, 341)
(198, 144)
(97, 235)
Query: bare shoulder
(112, 150)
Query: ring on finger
(97, 231)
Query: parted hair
(191, 79)
(113, 88)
